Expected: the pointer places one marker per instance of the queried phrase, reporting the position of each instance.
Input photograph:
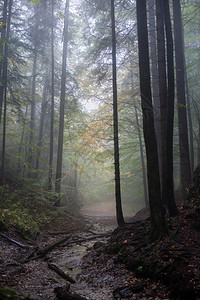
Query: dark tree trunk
(171, 204)
(62, 103)
(5, 71)
(144, 176)
(181, 101)
(3, 37)
(52, 101)
(154, 76)
(33, 98)
(120, 218)
(157, 217)
(162, 95)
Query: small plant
(140, 268)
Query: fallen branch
(60, 272)
(13, 241)
(50, 247)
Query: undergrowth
(26, 207)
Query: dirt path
(106, 209)
(35, 278)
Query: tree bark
(154, 76)
(4, 75)
(181, 100)
(52, 101)
(3, 45)
(162, 94)
(170, 200)
(157, 217)
(42, 118)
(62, 104)
(33, 98)
(120, 218)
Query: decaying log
(60, 272)
(62, 293)
(48, 248)
(13, 241)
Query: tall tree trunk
(162, 95)
(120, 218)
(33, 98)
(62, 104)
(181, 101)
(154, 76)
(5, 73)
(157, 216)
(21, 141)
(42, 118)
(144, 176)
(52, 101)
(171, 204)
(3, 45)
(189, 117)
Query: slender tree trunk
(154, 76)
(157, 216)
(181, 101)
(3, 37)
(197, 112)
(33, 98)
(171, 204)
(52, 101)
(189, 121)
(119, 212)
(62, 103)
(21, 141)
(162, 95)
(5, 71)
(144, 176)
(42, 118)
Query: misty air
(99, 149)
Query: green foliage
(35, 1)
(26, 207)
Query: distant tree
(156, 211)
(181, 99)
(42, 120)
(35, 42)
(120, 218)
(52, 100)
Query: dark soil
(124, 266)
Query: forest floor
(106, 264)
